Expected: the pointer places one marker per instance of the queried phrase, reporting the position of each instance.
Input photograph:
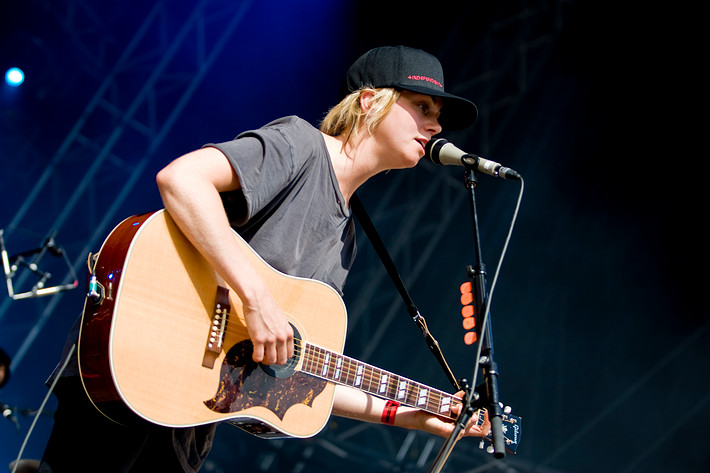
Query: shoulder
(287, 143)
(289, 125)
(291, 131)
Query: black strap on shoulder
(374, 237)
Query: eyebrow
(437, 102)
(431, 99)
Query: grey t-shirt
(290, 208)
(291, 211)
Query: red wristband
(389, 412)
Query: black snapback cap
(402, 67)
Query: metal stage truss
(124, 111)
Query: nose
(433, 127)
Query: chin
(407, 159)
(418, 160)
(411, 164)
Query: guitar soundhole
(287, 369)
(243, 385)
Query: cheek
(403, 117)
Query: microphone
(442, 152)
(9, 413)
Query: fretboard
(347, 371)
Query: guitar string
(434, 397)
(370, 374)
(316, 358)
(412, 393)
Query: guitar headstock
(512, 430)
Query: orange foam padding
(469, 323)
(470, 338)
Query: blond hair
(348, 117)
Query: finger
(284, 347)
(258, 352)
(290, 349)
(270, 354)
(289, 342)
(282, 353)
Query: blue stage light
(14, 76)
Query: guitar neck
(340, 369)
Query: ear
(366, 97)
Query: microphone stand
(12, 264)
(472, 399)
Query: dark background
(598, 316)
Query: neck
(354, 163)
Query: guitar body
(148, 342)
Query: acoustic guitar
(165, 337)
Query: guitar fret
(358, 378)
(383, 384)
(422, 398)
(317, 360)
(326, 365)
(307, 358)
(391, 386)
(314, 360)
(370, 378)
(338, 365)
(366, 378)
(377, 378)
(344, 370)
(445, 405)
(402, 390)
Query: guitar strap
(374, 237)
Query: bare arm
(190, 187)
(355, 404)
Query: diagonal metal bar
(109, 214)
(81, 122)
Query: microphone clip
(441, 152)
(29, 260)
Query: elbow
(164, 179)
(168, 180)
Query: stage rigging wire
(41, 407)
(495, 280)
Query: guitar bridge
(218, 327)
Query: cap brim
(457, 112)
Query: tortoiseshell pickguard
(244, 384)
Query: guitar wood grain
(144, 344)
